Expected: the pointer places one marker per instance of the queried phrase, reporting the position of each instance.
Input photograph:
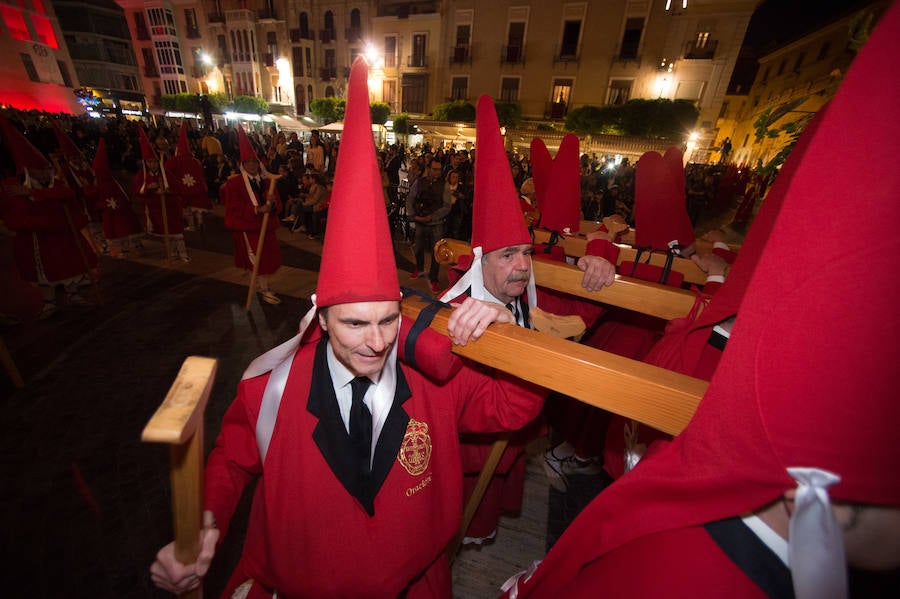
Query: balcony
(295, 36)
(269, 59)
(354, 34)
(326, 36)
(193, 33)
(460, 55)
(555, 110)
(419, 61)
(512, 54)
(390, 61)
(327, 73)
(566, 55)
(150, 71)
(215, 17)
(705, 52)
(267, 15)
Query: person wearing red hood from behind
(787, 473)
(49, 250)
(188, 182)
(121, 227)
(152, 189)
(356, 451)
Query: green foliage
(859, 30)
(793, 130)
(545, 127)
(250, 105)
(329, 110)
(379, 111)
(181, 102)
(660, 119)
(508, 114)
(403, 126)
(594, 120)
(458, 110)
(217, 102)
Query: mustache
(523, 278)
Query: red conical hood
(66, 145)
(147, 152)
(25, 155)
(660, 214)
(497, 219)
(562, 207)
(358, 254)
(101, 161)
(247, 151)
(184, 148)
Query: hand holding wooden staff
(267, 209)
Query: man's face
(252, 167)
(434, 169)
(506, 271)
(152, 164)
(362, 334)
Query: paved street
(85, 504)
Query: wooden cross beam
(661, 301)
(178, 422)
(575, 246)
(654, 396)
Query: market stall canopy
(287, 123)
(449, 132)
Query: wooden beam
(654, 396)
(661, 301)
(178, 422)
(575, 246)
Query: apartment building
(793, 82)
(36, 71)
(99, 44)
(549, 57)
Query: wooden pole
(165, 219)
(259, 244)
(178, 422)
(481, 485)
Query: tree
(379, 111)
(329, 110)
(458, 110)
(509, 114)
(403, 126)
(594, 120)
(250, 104)
(662, 119)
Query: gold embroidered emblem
(415, 452)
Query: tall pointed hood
(23, 152)
(497, 219)
(561, 208)
(660, 214)
(147, 152)
(184, 147)
(358, 254)
(247, 151)
(66, 145)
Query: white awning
(288, 123)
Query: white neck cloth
(473, 279)
(815, 541)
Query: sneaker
(558, 469)
(434, 288)
(480, 540)
(270, 298)
(415, 274)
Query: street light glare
(207, 60)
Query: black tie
(512, 308)
(361, 423)
(254, 185)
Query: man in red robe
(497, 280)
(360, 487)
(188, 182)
(151, 188)
(248, 196)
(121, 226)
(787, 472)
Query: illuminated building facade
(99, 44)
(36, 71)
